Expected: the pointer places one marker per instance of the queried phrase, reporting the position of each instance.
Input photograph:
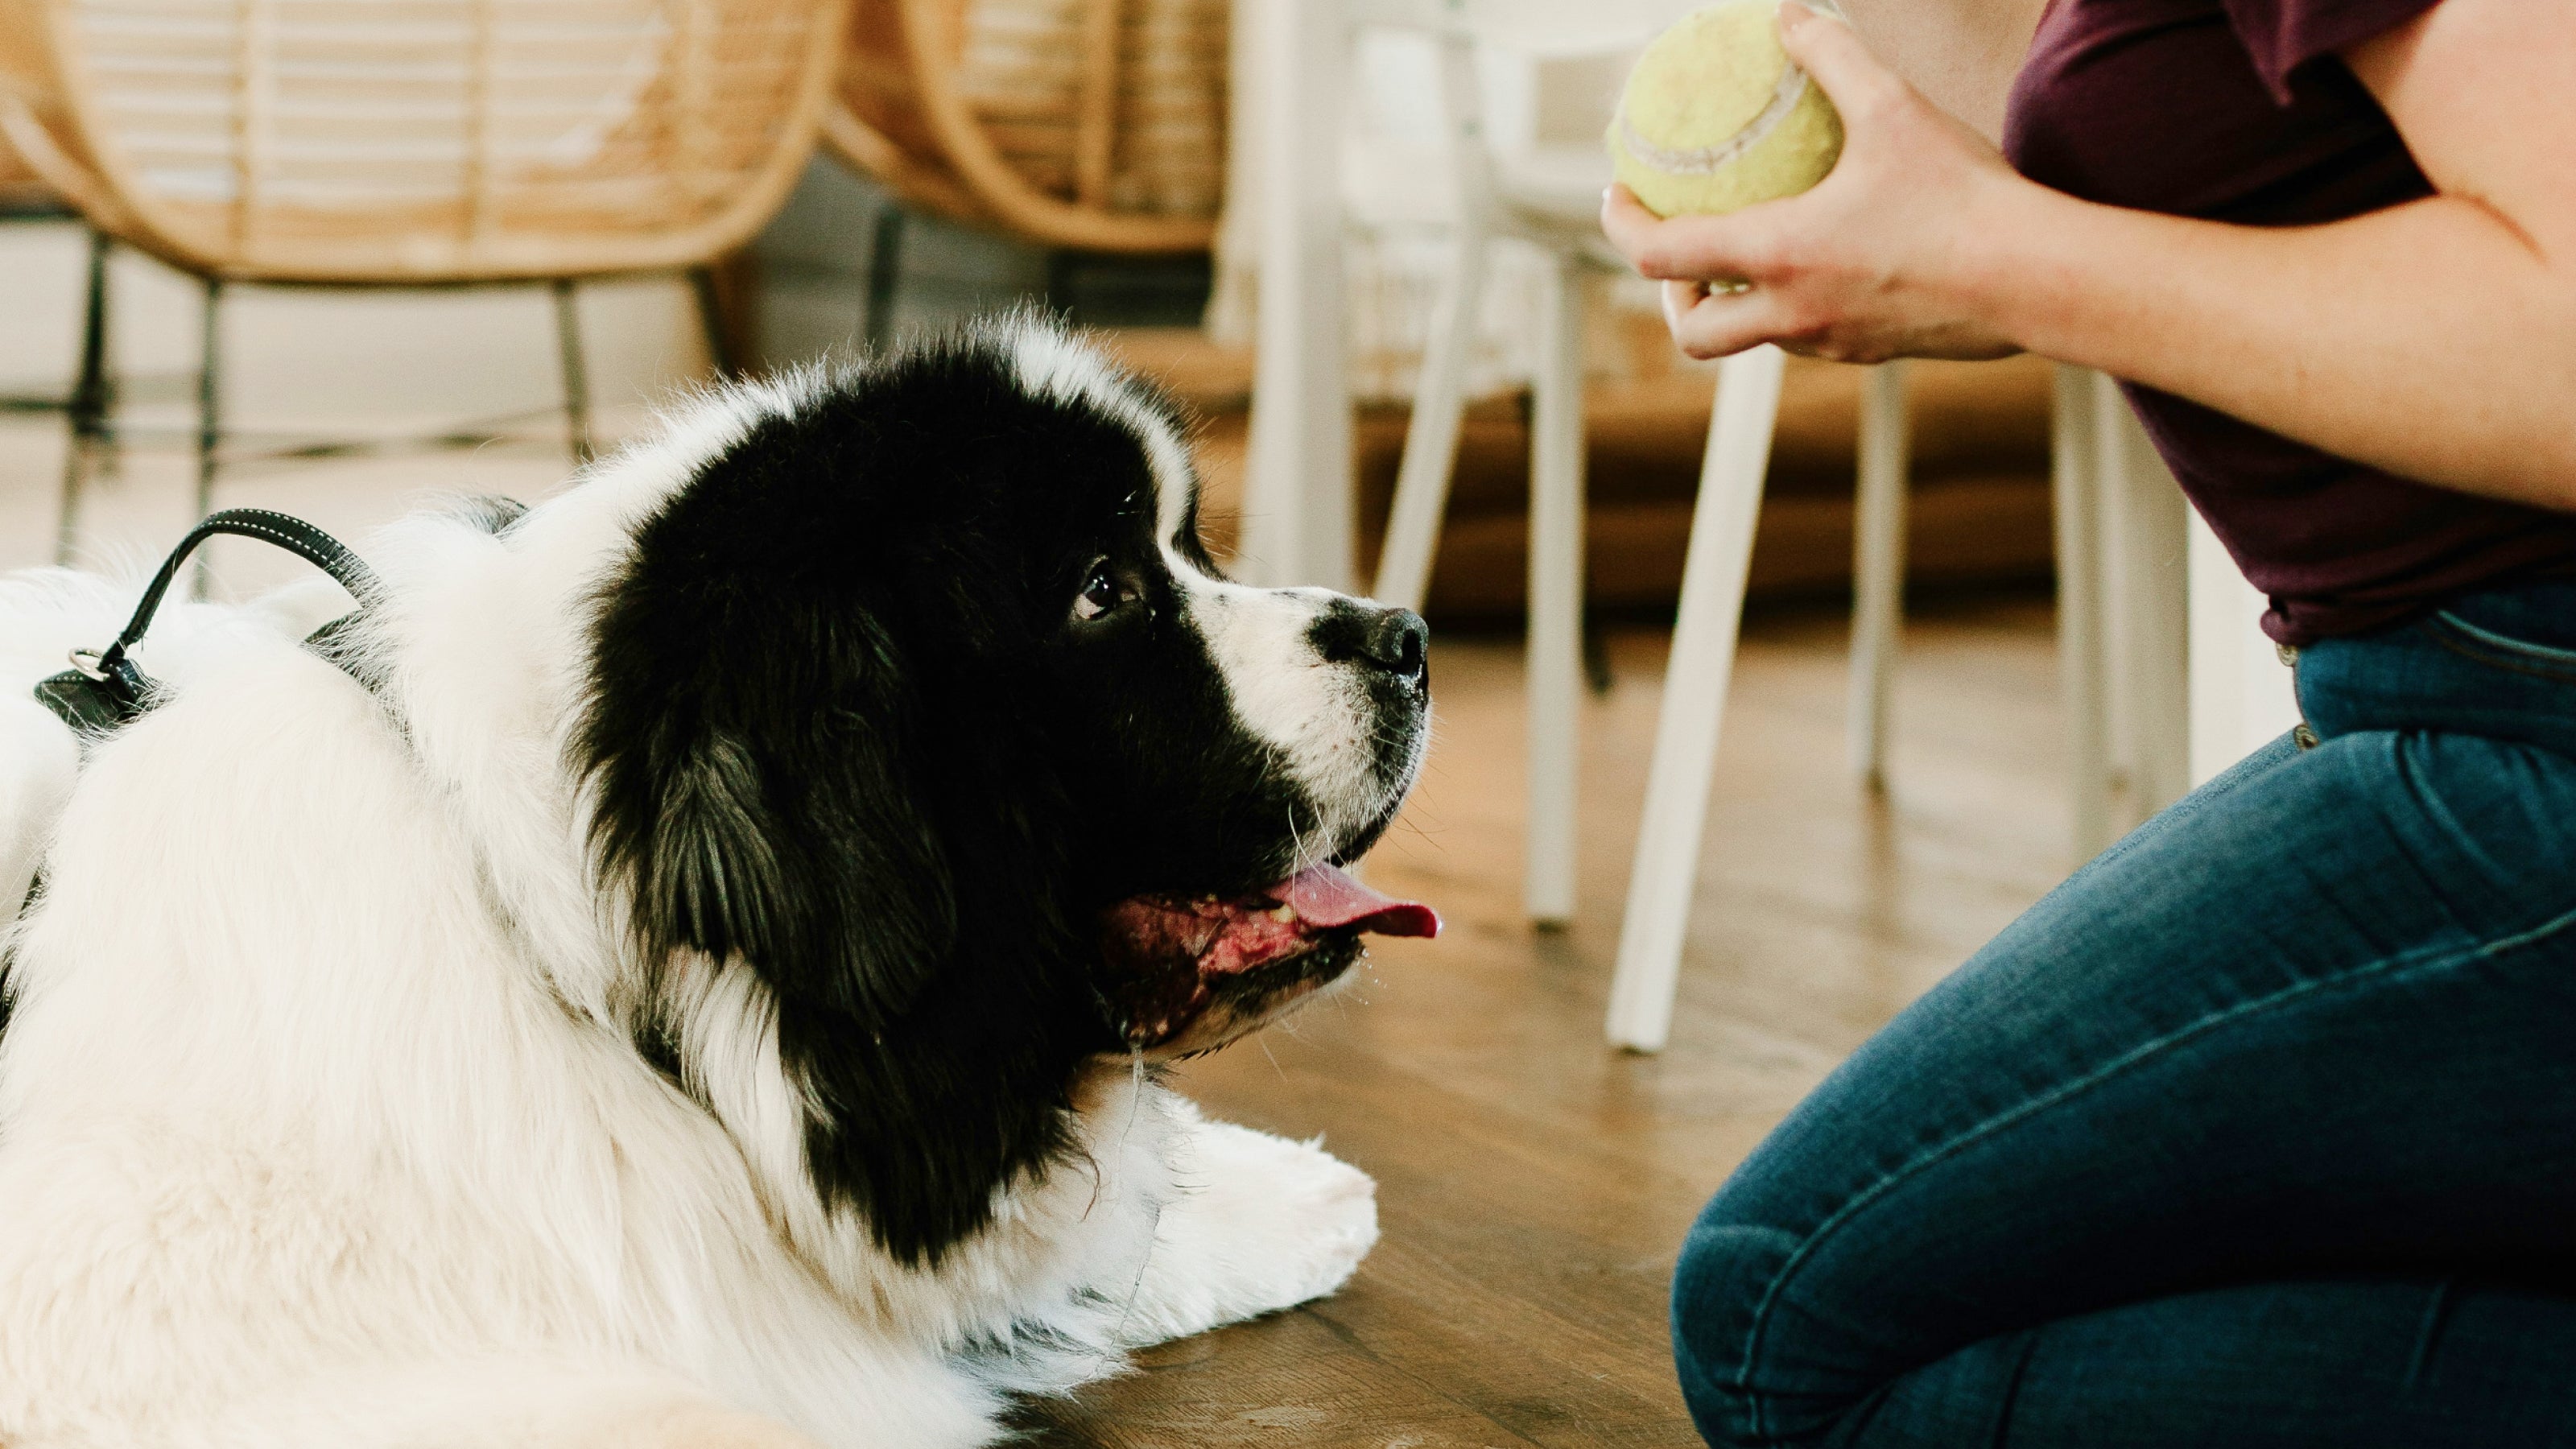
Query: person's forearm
(2430, 340)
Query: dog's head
(922, 702)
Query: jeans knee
(1725, 1275)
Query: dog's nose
(1397, 641)
(1353, 631)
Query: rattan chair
(414, 143)
(1097, 125)
(21, 190)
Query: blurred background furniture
(1092, 125)
(1064, 96)
(2121, 628)
(438, 143)
(1301, 522)
(24, 197)
(21, 190)
(1549, 195)
(1548, 198)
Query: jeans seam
(2410, 770)
(2199, 800)
(2503, 640)
(2436, 1315)
(2499, 651)
(2392, 966)
(2011, 1396)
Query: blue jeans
(2259, 1130)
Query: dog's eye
(1100, 594)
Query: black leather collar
(104, 690)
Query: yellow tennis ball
(1715, 118)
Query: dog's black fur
(846, 727)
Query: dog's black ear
(789, 773)
(764, 811)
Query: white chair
(2120, 540)
(1288, 71)
(1298, 494)
(1551, 197)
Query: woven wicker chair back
(19, 185)
(1084, 123)
(419, 140)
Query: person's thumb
(1827, 49)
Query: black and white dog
(703, 993)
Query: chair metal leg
(1694, 704)
(1431, 435)
(720, 350)
(576, 376)
(88, 404)
(2074, 479)
(1878, 567)
(209, 423)
(1555, 667)
(885, 274)
(1063, 273)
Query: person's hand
(1872, 263)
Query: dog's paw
(1261, 1223)
(1326, 1212)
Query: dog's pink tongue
(1328, 897)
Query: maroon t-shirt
(2240, 111)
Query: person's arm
(2436, 340)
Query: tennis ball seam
(1708, 160)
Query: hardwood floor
(1533, 1185)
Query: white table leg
(1431, 435)
(1878, 566)
(1297, 485)
(2074, 470)
(1694, 704)
(2153, 538)
(1555, 664)
(1440, 394)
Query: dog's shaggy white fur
(321, 1125)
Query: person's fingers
(1853, 79)
(1681, 248)
(1678, 299)
(1686, 248)
(1708, 323)
(1626, 221)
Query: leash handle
(103, 690)
(114, 669)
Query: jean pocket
(2500, 643)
